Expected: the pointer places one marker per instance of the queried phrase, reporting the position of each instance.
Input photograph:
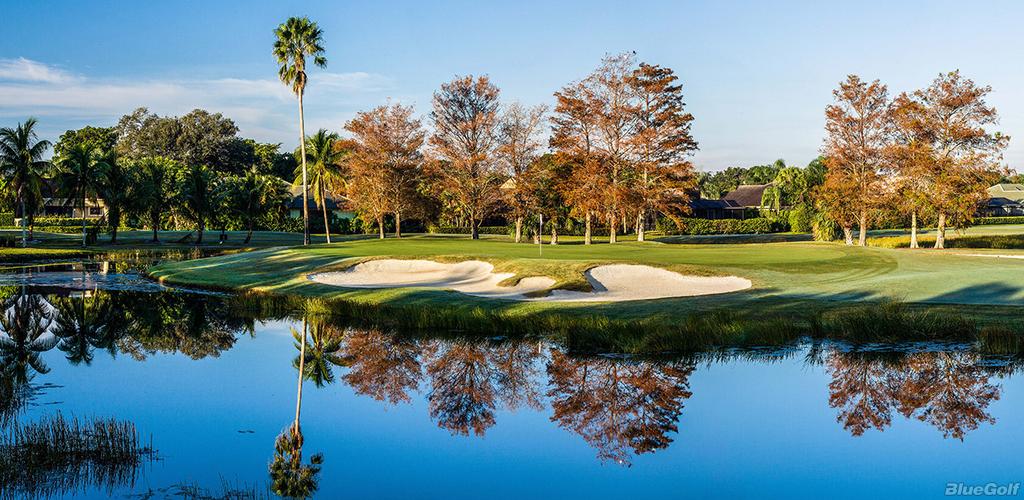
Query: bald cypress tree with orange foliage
(385, 168)
(950, 119)
(857, 133)
(464, 145)
(662, 144)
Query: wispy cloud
(27, 70)
(262, 108)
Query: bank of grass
(17, 254)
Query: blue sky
(757, 75)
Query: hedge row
(468, 230)
(982, 221)
(757, 225)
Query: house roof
(746, 196)
(1013, 192)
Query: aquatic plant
(59, 456)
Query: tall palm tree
(196, 197)
(153, 191)
(81, 173)
(323, 170)
(23, 165)
(297, 38)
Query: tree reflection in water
(290, 476)
(619, 408)
(949, 390)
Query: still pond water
(395, 416)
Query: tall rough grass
(58, 456)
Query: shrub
(984, 221)
(801, 219)
(468, 230)
(724, 226)
(6, 218)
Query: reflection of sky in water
(781, 422)
(750, 428)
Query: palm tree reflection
(290, 476)
(322, 353)
(25, 322)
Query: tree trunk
(305, 190)
(199, 238)
(83, 220)
(24, 220)
(587, 238)
(519, 229)
(862, 237)
(302, 368)
(380, 226)
(554, 233)
(155, 221)
(614, 227)
(398, 223)
(940, 232)
(913, 229)
(115, 220)
(640, 226)
(327, 226)
(848, 235)
(476, 229)
(248, 236)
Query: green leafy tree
(321, 170)
(298, 38)
(80, 174)
(23, 163)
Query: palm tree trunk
(202, 227)
(323, 201)
(848, 235)
(83, 220)
(913, 229)
(305, 191)
(940, 232)
(115, 220)
(155, 221)
(302, 368)
(554, 232)
(398, 224)
(24, 220)
(248, 236)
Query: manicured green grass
(800, 288)
(16, 254)
(781, 272)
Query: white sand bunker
(612, 283)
